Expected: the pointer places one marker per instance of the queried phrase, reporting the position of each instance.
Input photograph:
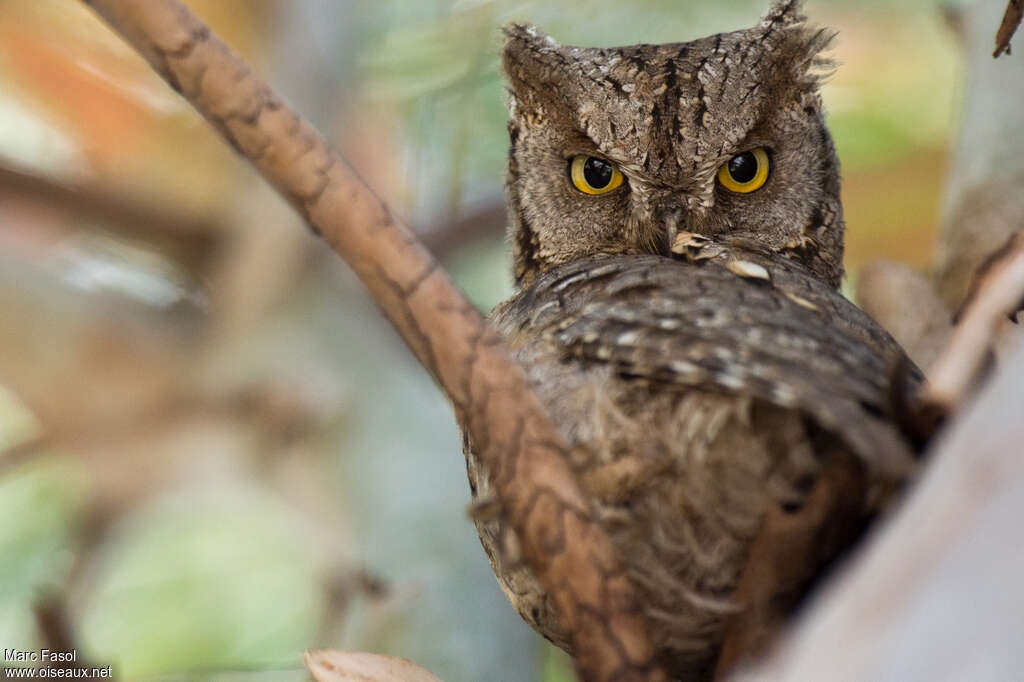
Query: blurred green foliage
(38, 505)
(221, 578)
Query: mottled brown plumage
(729, 410)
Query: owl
(678, 240)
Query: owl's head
(617, 150)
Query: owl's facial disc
(613, 149)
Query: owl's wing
(753, 326)
(750, 326)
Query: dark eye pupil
(597, 173)
(743, 167)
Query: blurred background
(214, 452)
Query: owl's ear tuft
(784, 13)
(526, 34)
(799, 46)
(529, 52)
(532, 63)
(807, 58)
(817, 67)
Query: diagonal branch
(997, 294)
(561, 538)
(1011, 20)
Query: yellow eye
(591, 175)
(745, 172)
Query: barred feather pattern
(698, 396)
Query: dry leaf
(331, 665)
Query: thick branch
(936, 597)
(526, 456)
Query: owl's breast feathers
(719, 410)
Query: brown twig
(53, 622)
(997, 293)
(194, 237)
(1011, 21)
(197, 238)
(486, 221)
(526, 456)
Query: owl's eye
(745, 172)
(591, 175)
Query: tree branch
(936, 595)
(1011, 20)
(997, 294)
(487, 221)
(525, 454)
(195, 238)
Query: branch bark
(998, 294)
(526, 455)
